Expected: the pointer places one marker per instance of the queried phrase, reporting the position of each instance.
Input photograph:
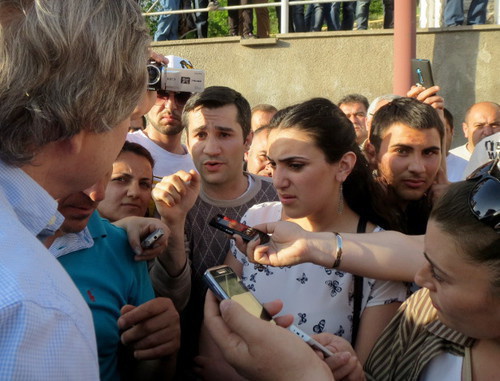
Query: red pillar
(405, 29)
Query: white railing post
(285, 11)
(431, 12)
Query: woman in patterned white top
(324, 185)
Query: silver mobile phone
(225, 284)
(149, 241)
(422, 72)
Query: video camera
(164, 78)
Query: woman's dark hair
(480, 242)
(334, 134)
(139, 151)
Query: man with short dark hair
(405, 149)
(218, 128)
(355, 107)
(262, 115)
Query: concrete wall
(294, 67)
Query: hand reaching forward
(176, 194)
(289, 245)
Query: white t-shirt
(456, 161)
(166, 163)
(319, 298)
(444, 367)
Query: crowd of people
(384, 242)
(346, 15)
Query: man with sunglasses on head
(163, 133)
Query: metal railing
(434, 20)
(284, 4)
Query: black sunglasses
(181, 97)
(484, 199)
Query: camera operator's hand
(160, 58)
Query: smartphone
(422, 72)
(149, 241)
(230, 226)
(225, 284)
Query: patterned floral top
(319, 298)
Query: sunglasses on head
(484, 199)
(180, 97)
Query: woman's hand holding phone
(257, 349)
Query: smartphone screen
(224, 282)
(231, 226)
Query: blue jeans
(347, 15)
(454, 12)
(317, 15)
(363, 10)
(296, 21)
(168, 25)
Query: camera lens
(154, 75)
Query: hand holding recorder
(142, 230)
(232, 227)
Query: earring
(375, 173)
(340, 207)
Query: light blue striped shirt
(46, 329)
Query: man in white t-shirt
(163, 133)
(481, 120)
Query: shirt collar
(71, 242)
(32, 204)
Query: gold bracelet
(338, 253)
